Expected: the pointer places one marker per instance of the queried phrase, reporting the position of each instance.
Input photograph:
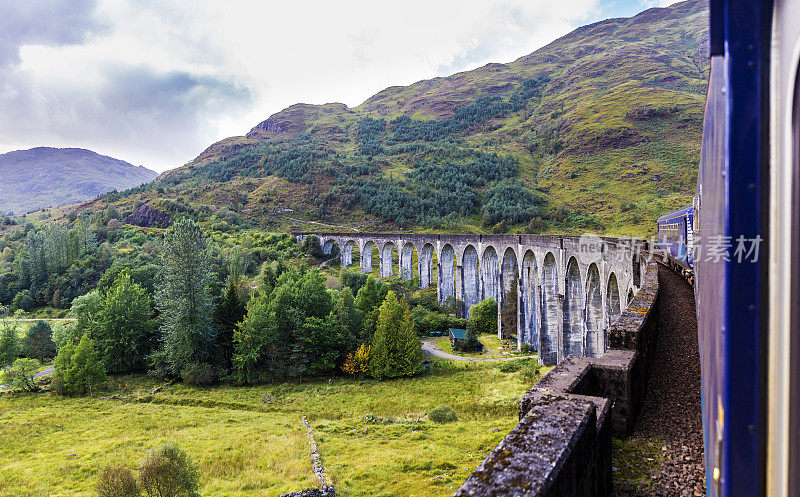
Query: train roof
(676, 214)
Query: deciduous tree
(124, 327)
(78, 368)
(483, 317)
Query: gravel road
(429, 348)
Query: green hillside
(599, 130)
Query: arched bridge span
(564, 290)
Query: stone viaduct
(570, 289)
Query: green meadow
(373, 436)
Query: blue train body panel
(729, 292)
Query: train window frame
(794, 314)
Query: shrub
(200, 374)
(117, 481)
(511, 366)
(442, 414)
(24, 300)
(358, 361)
(530, 368)
(38, 342)
(20, 375)
(168, 472)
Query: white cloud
(154, 83)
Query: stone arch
(446, 267)
(572, 342)
(530, 300)
(388, 252)
(470, 278)
(367, 256)
(594, 318)
(350, 253)
(331, 247)
(490, 275)
(613, 307)
(509, 306)
(407, 256)
(426, 266)
(550, 334)
(637, 270)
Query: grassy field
(373, 436)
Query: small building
(456, 336)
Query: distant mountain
(44, 177)
(599, 130)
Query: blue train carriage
(748, 308)
(676, 235)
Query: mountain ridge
(603, 123)
(47, 176)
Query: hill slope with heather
(599, 130)
(44, 176)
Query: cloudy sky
(155, 82)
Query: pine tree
(8, 338)
(183, 296)
(230, 312)
(38, 342)
(367, 300)
(396, 349)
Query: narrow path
(33, 320)
(429, 348)
(46, 371)
(319, 224)
(326, 261)
(671, 415)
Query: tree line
(291, 326)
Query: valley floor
(373, 436)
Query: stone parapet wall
(558, 448)
(562, 444)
